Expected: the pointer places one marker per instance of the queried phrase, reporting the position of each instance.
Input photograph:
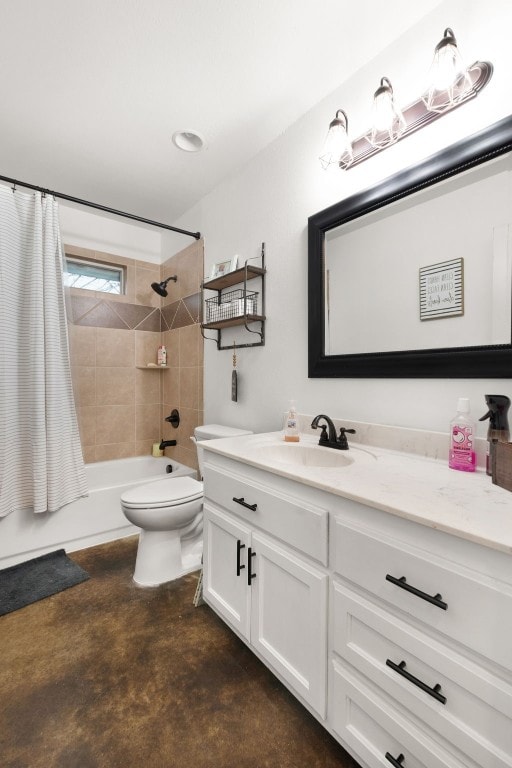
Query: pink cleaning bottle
(462, 433)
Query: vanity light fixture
(388, 121)
(337, 146)
(452, 84)
(449, 80)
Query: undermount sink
(307, 455)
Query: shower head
(161, 288)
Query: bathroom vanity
(377, 586)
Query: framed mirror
(412, 277)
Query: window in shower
(94, 276)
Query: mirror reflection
(431, 270)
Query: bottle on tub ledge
(462, 454)
(291, 424)
(161, 358)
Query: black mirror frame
(494, 361)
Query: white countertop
(424, 490)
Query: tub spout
(167, 444)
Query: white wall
(271, 198)
(87, 228)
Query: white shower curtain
(41, 463)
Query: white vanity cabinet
(396, 635)
(273, 594)
(421, 644)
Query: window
(93, 276)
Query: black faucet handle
(323, 436)
(342, 439)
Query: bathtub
(94, 519)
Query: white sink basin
(306, 455)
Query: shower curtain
(41, 463)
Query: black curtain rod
(98, 207)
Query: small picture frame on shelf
(224, 267)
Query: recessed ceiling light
(188, 141)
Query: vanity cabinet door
(289, 618)
(226, 545)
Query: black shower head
(161, 288)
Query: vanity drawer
(376, 732)
(298, 524)
(460, 701)
(451, 599)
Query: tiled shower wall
(121, 404)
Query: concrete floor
(109, 675)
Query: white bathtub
(94, 519)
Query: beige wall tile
(115, 386)
(189, 390)
(171, 339)
(89, 454)
(186, 456)
(87, 425)
(110, 451)
(148, 386)
(82, 345)
(115, 347)
(144, 447)
(146, 347)
(189, 337)
(171, 388)
(148, 422)
(84, 384)
(115, 424)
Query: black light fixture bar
(417, 115)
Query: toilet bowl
(169, 513)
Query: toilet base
(162, 557)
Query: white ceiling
(91, 91)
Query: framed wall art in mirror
(437, 235)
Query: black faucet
(167, 444)
(331, 440)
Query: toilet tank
(211, 432)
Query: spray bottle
(498, 430)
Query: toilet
(170, 515)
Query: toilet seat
(170, 492)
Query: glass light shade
(388, 120)
(449, 79)
(337, 149)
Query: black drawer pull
(243, 502)
(434, 692)
(401, 582)
(239, 547)
(398, 762)
(250, 574)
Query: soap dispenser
(291, 424)
(498, 430)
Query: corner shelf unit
(241, 277)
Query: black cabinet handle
(239, 547)
(396, 761)
(401, 582)
(250, 574)
(243, 502)
(434, 692)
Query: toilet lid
(163, 493)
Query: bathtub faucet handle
(174, 418)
